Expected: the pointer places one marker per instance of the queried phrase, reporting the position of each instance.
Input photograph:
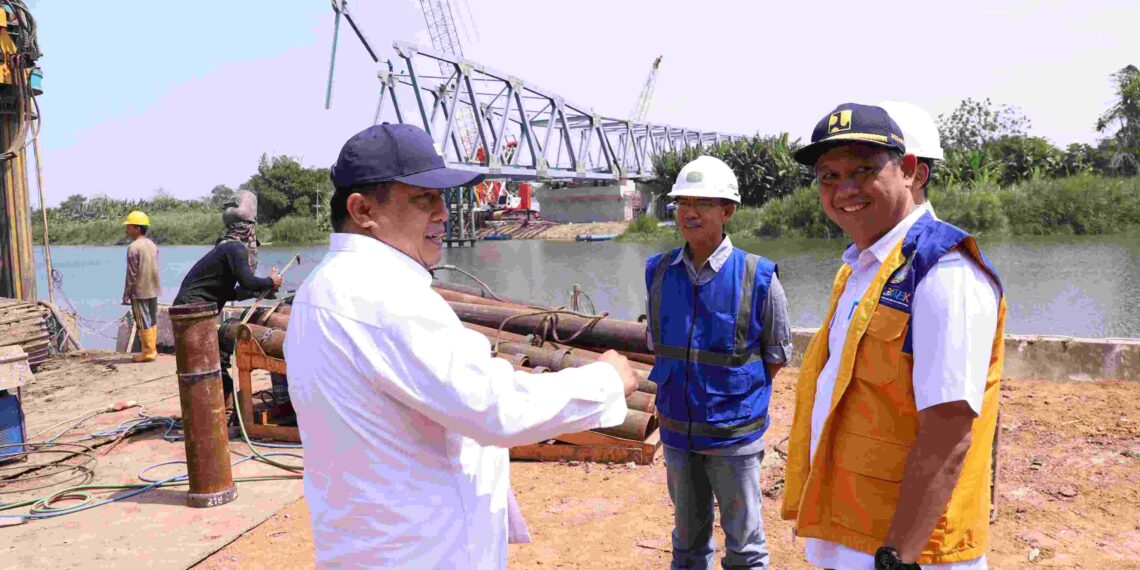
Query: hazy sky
(141, 94)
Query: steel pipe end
(207, 500)
(193, 311)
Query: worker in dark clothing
(226, 273)
(222, 275)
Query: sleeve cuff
(611, 394)
(779, 353)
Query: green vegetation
(996, 178)
(1085, 204)
(645, 228)
(764, 166)
(292, 208)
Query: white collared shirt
(406, 418)
(953, 319)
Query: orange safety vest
(849, 492)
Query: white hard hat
(918, 129)
(706, 177)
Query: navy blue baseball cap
(403, 153)
(852, 123)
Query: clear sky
(142, 94)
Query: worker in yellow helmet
(142, 287)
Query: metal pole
(43, 212)
(203, 408)
(338, 6)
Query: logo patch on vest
(899, 290)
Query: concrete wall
(584, 204)
(1047, 357)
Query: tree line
(983, 141)
(291, 198)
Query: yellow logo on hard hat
(838, 122)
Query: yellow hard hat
(137, 218)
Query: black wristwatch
(887, 558)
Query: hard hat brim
(700, 194)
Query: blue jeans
(693, 479)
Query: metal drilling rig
(19, 125)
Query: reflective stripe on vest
(743, 318)
(709, 430)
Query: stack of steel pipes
(514, 329)
(563, 340)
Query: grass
(195, 228)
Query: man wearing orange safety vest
(896, 405)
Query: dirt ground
(552, 231)
(567, 232)
(1069, 494)
(151, 530)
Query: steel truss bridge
(531, 133)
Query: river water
(1088, 287)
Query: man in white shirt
(897, 398)
(405, 416)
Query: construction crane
(445, 38)
(642, 106)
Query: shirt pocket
(727, 395)
(879, 359)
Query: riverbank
(204, 229)
(1068, 494)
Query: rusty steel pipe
(477, 292)
(616, 334)
(519, 361)
(276, 321)
(567, 358)
(491, 333)
(642, 402)
(637, 426)
(456, 296)
(203, 409)
(271, 341)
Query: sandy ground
(556, 232)
(151, 530)
(567, 232)
(1069, 495)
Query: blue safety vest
(713, 388)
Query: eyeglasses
(698, 203)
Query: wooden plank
(595, 438)
(592, 453)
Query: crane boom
(444, 37)
(642, 106)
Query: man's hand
(625, 371)
(276, 277)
